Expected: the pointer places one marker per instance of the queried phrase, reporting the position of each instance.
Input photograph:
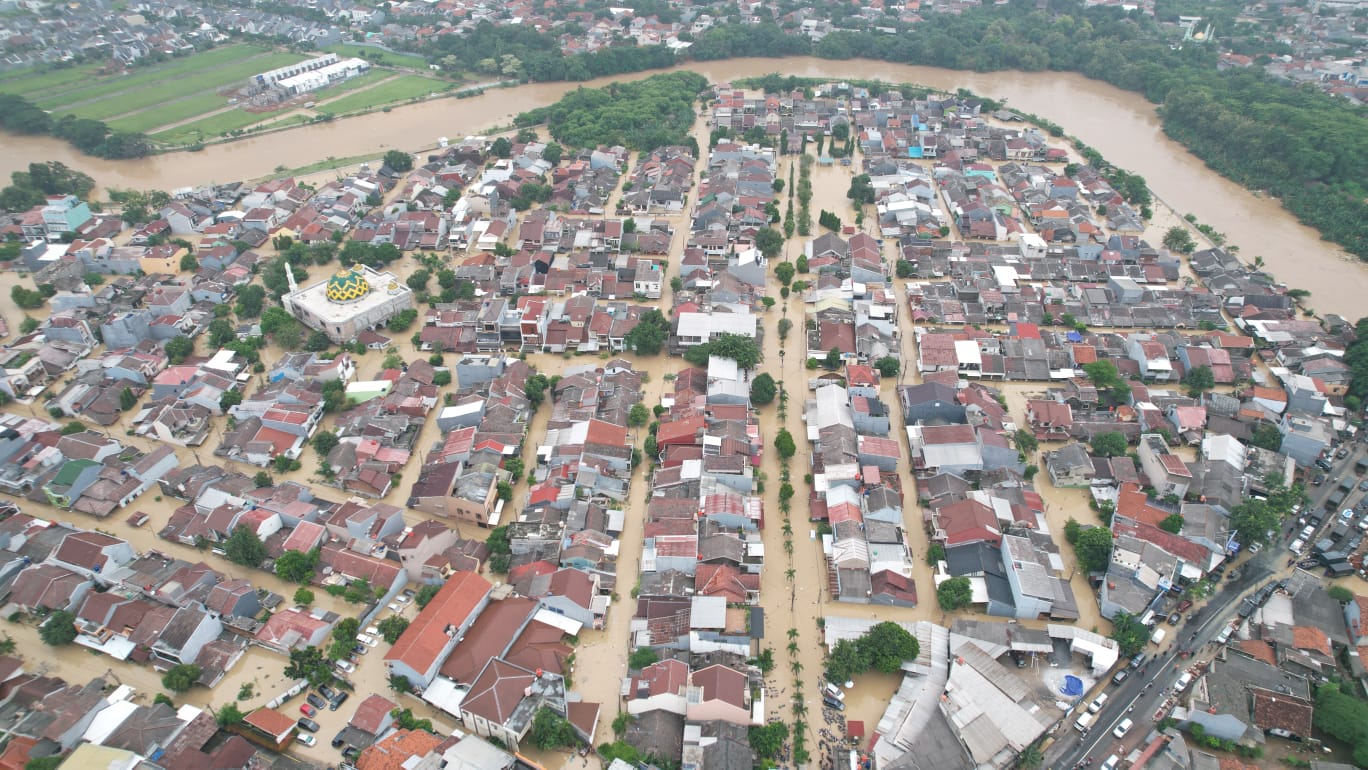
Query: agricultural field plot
(400, 89)
(187, 68)
(200, 83)
(387, 58)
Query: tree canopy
(1129, 633)
(245, 548)
(740, 348)
(1199, 380)
(784, 445)
(955, 593)
(551, 731)
(641, 115)
(58, 629)
(181, 677)
(763, 389)
(1094, 548)
(1110, 444)
(650, 334)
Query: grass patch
(173, 70)
(401, 89)
(212, 127)
(173, 112)
(360, 81)
(387, 58)
(30, 80)
(293, 120)
(200, 83)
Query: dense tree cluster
(92, 137)
(642, 115)
(31, 188)
(884, 648)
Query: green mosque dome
(347, 286)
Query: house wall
(720, 710)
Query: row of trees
(92, 137)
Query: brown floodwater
(1122, 125)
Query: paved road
(1140, 694)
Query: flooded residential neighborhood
(853, 428)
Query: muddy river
(1122, 125)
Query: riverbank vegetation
(1307, 148)
(641, 115)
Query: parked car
(1136, 662)
(395, 607)
(307, 710)
(1111, 762)
(1185, 605)
(367, 640)
(1255, 548)
(1123, 728)
(306, 739)
(1175, 618)
(346, 666)
(327, 692)
(360, 649)
(1120, 676)
(831, 702)
(307, 725)
(404, 598)
(337, 700)
(316, 700)
(372, 631)
(1097, 703)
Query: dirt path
(335, 97)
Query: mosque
(348, 302)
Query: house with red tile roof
(503, 700)
(399, 750)
(270, 725)
(49, 587)
(719, 693)
(418, 653)
(661, 686)
(291, 629)
(372, 715)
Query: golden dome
(347, 286)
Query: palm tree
(790, 573)
(1030, 757)
(796, 667)
(793, 633)
(793, 648)
(1259, 262)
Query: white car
(346, 666)
(306, 739)
(372, 630)
(397, 609)
(1255, 547)
(1111, 762)
(367, 640)
(1123, 728)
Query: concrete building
(349, 302)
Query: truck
(1083, 723)
(1158, 636)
